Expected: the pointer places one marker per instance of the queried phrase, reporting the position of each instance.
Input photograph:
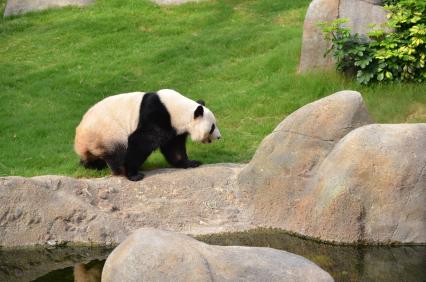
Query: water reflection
(344, 263)
(59, 264)
(90, 272)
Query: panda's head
(203, 127)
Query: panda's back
(109, 121)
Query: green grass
(240, 56)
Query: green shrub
(383, 56)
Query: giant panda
(121, 131)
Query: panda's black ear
(201, 102)
(199, 112)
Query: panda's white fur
(106, 123)
(181, 111)
(110, 123)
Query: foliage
(383, 56)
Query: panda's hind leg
(115, 159)
(97, 164)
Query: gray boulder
(276, 178)
(360, 13)
(154, 255)
(370, 188)
(313, 43)
(15, 7)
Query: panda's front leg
(175, 152)
(138, 150)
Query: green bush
(383, 56)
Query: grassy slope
(240, 56)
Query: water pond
(344, 263)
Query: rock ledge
(325, 172)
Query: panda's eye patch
(212, 129)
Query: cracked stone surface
(325, 172)
(53, 210)
(16, 7)
(156, 255)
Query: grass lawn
(240, 56)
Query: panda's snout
(210, 138)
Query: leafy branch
(383, 56)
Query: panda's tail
(97, 164)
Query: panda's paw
(192, 163)
(136, 177)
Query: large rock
(15, 7)
(276, 178)
(313, 43)
(322, 173)
(370, 188)
(360, 13)
(154, 255)
(54, 210)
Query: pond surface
(344, 263)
